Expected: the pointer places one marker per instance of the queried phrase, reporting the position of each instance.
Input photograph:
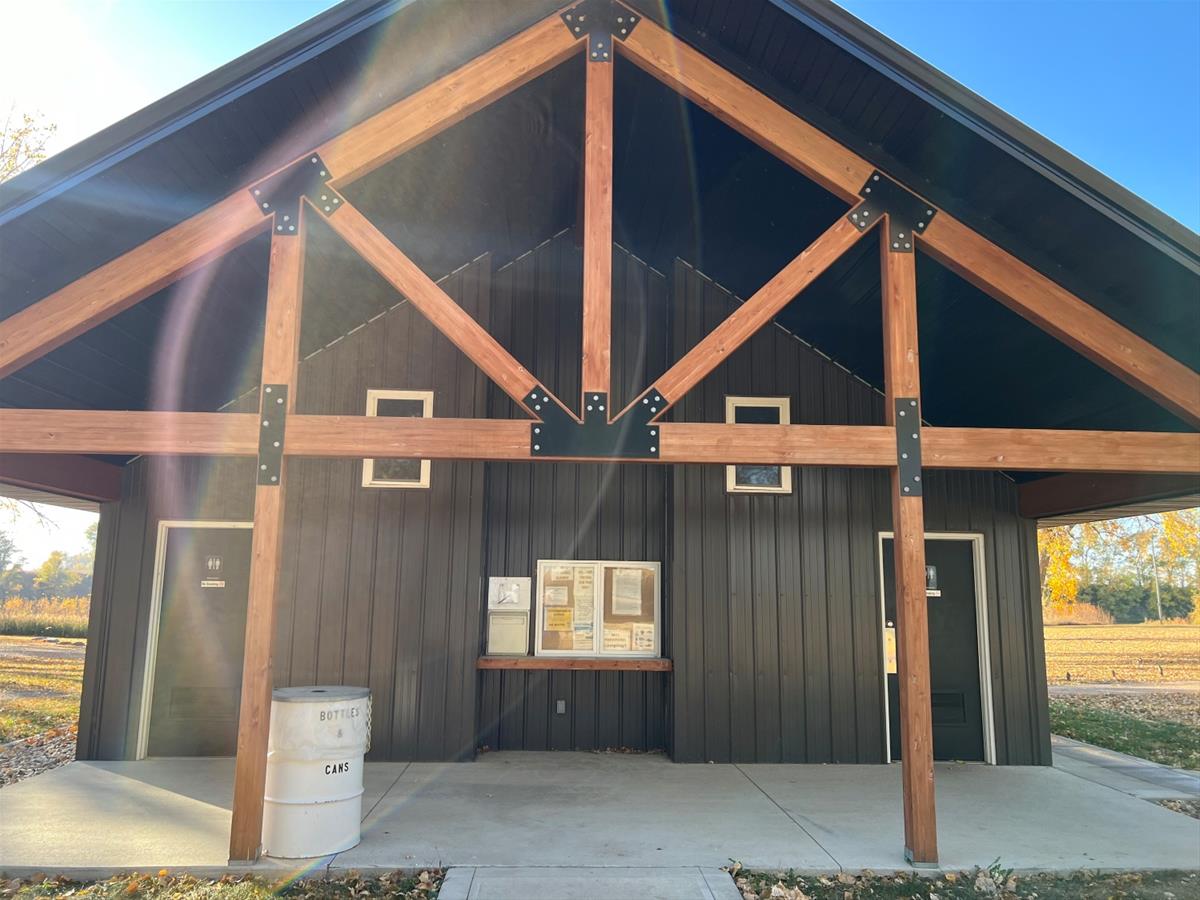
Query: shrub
(1077, 614)
(1131, 603)
(48, 616)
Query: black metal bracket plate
(908, 445)
(908, 214)
(558, 434)
(280, 194)
(601, 21)
(272, 422)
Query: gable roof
(220, 133)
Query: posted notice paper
(643, 636)
(617, 638)
(558, 620)
(555, 595)
(627, 592)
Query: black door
(953, 650)
(202, 624)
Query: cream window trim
(784, 406)
(374, 395)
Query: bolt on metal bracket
(908, 445)
(908, 215)
(601, 21)
(632, 436)
(281, 193)
(272, 423)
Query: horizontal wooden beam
(434, 303)
(1061, 495)
(75, 476)
(125, 432)
(1057, 311)
(128, 279)
(573, 664)
(746, 110)
(236, 434)
(1043, 450)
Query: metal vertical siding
(770, 603)
(566, 511)
(776, 647)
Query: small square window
(753, 478)
(398, 473)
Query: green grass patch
(994, 882)
(1160, 741)
(186, 887)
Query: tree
(23, 142)
(11, 562)
(1060, 576)
(53, 577)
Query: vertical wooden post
(597, 223)
(902, 376)
(281, 342)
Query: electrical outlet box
(560, 707)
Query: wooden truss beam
(128, 279)
(281, 346)
(1057, 311)
(41, 431)
(752, 315)
(435, 304)
(162, 260)
(75, 476)
(992, 269)
(902, 378)
(431, 110)
(597, 228)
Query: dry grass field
(1144, 653)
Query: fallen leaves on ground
(993, 882)
(397, 885)
(1159, 706)
(34, 755)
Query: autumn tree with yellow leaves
(1158, 553)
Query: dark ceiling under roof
(685, 186)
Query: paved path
(1128, 774)
(1156, 687)
(593, 883)
(70, 648)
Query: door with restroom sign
(201, 628)
(953, 649)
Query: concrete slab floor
(467, 883)
(610, 810)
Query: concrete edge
(98, 873)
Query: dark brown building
(645, 418)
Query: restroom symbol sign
(213, 563)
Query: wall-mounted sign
(212, 582)
(506, 592)
(212, 563)
(931, 582)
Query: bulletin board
(597, 608)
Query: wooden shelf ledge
(570, 662)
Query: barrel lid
(332, 693)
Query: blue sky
(1116, 82)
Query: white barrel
(315, 770)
